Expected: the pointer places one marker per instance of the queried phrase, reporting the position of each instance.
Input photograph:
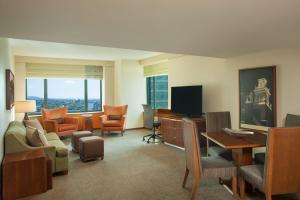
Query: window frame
(85, 96)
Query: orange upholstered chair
(56, 120)
(113, 118)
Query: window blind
(36, 70)
(156, 69)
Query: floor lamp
(25, 107)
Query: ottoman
(91, 148)
(75, 139)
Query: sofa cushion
(51, 136)
(112, 123)
(66, 127)
(34, 123)
(61, 149)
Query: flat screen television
(187, 100)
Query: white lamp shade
(25, 106)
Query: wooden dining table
(241, 146)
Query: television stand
(171, 128)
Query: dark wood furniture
(171, 128)
(206, 166)
(25, 174)
(88, 122)
(280, 174)
(241, 145)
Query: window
(78, 94)
(35, 91)
(157, 91)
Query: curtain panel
(36, 70)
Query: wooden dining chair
(215, 122)
(280, 174)
(206, 166)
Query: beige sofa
(16, 141)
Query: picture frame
(257, 98)
(10, 89)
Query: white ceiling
(73, 51)
(218, 28)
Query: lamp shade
(25, 106)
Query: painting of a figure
(257, 98)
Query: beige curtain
(36, 70)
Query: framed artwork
(257, 98)
(10, 89)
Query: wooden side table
(25, 174)
(88, 122)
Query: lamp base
(26, 116)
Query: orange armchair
(56, 120)
(113, 118)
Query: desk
(241, 145)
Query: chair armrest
(102, 118)
(51, 126)
(123, 121)
(71, 120)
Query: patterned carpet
(134, 170)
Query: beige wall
(5, 115)
(130, 88)
(219, 78)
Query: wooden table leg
(241, 158)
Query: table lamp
(25, 107)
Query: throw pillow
(33, 137)
(59, 120)
(114, 117)
(35, 124)
(43, 138)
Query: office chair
(150, 123)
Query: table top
(25, 155)
(227, 141)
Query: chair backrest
(215, 121)
(115, 110)
(292, 120)
(282, 164)
(148, 116)
(54, 113)
(192, 147)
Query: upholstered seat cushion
(112, 123)
(217, 167)
(66, 127)
(61, 149)
(51, 136)
(253, 174)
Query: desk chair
(199, 167)
(280, 174)
(215, 122)
(290, 121)
(150, 123)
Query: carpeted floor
(134, 170)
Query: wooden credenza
(171, 128)
(26, 173)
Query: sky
(63, 88)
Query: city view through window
(78, 95)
